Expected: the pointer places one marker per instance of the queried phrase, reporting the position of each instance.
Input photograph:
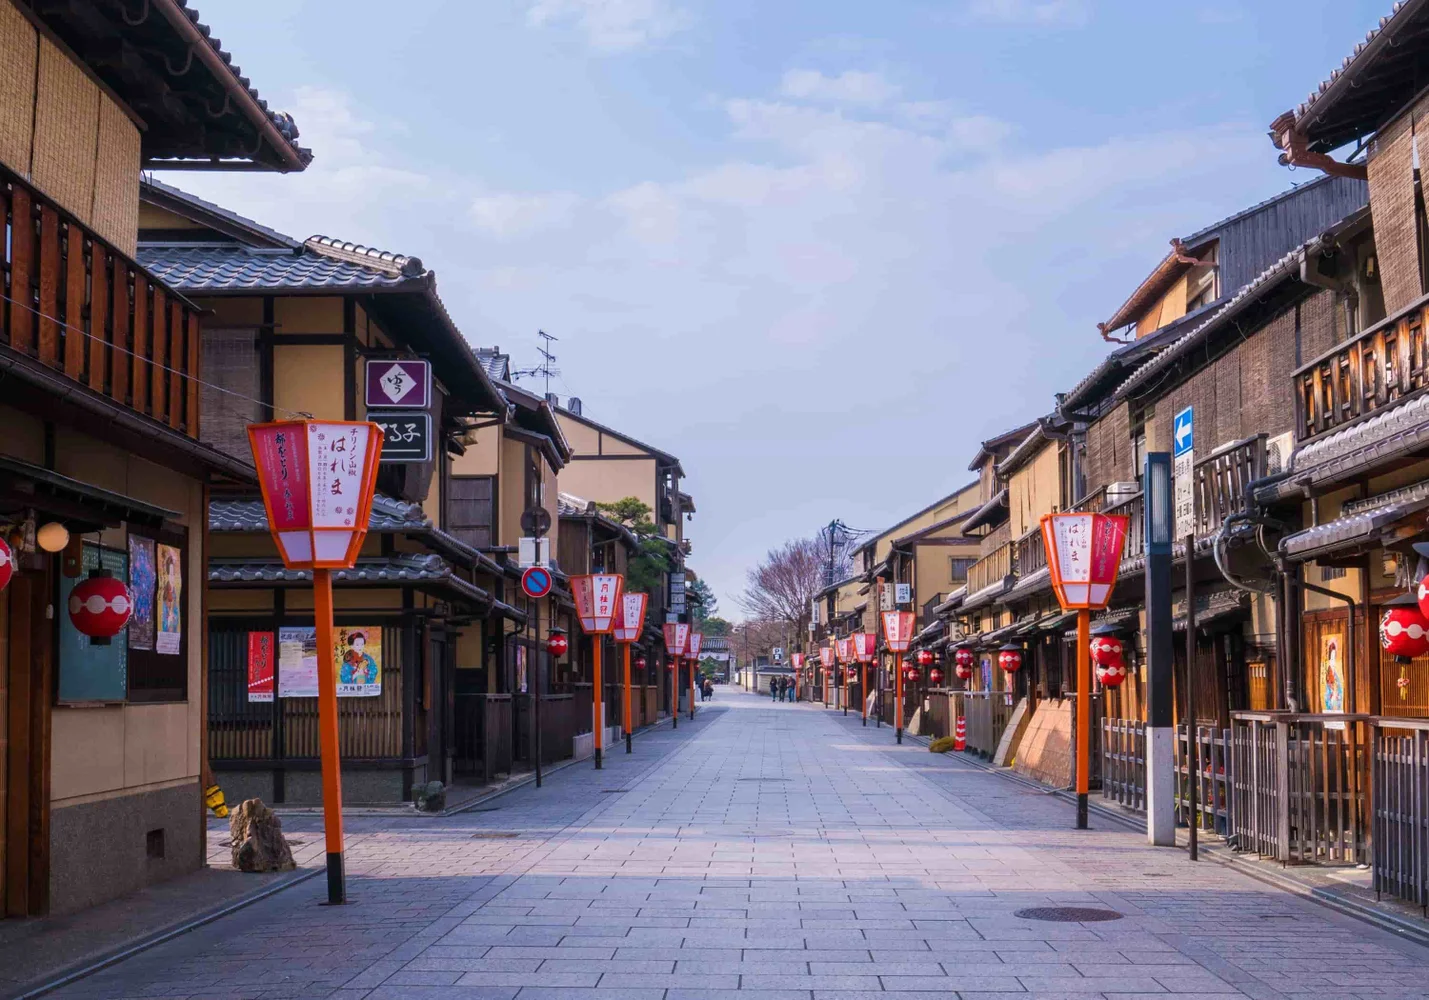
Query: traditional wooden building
(104, 462)
(294, 327)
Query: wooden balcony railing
(83, 308)
(1377, 368)
(1222, 482)
(991, 568)
(1093, 501)
(1134, 508)
(1031, 552)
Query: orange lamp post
(897, 635)
(677, 637)
(318, 478)
(597, 603)
(628, 626)
(697, 640)
(826, 660)
(1083, 556)
(865, 648)
(797, 659)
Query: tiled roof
(405, 568)
(497, 365)
(395, 264)
(1034, 582)
(196, 269)
(1352, 529)
(248, 514)
(1387, 434)
(153, 189)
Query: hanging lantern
(1083, 554)
(1009, 658)
(1106, 650)
(7, 564)
(1423, 593)
(1111, 675)
(925, 657)
(1404, 633)
(100, 607)
(911, 674)
(964, 662)
(935, 677)
(557, 644)
(640, 663)
(865, 646)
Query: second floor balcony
(992, 568)
(82, 308)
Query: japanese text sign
(898, 630)
(1083, 556)
(597, 600)
(399, 383)
(317, 478)
(865, 646)
(631, 620)
(697, 639)
(826, 656)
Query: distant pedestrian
(707, 689)
(774, 688)
(784, 686)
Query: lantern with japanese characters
(557, 643)
(1404, 633)
(597, 601)
(318, 477)
(865, 646)
(100, 607)
(843, 650)
(1083, 555)
(677, 638)
(963, 661)
(826, 657)
(1009, 658)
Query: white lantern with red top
(843, 650)
(898, 630)
(826, 657)
(1083, 556)
(865, 646)
(100, 607)
(318, 478)
(677, 637)
(597, 599)
(630, 621)
(697, 639)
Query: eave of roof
(398, 570)
(663, 456)
(1027, 448)
(215, 217)
(875, 539)
(988, 512)
(932, 529)
(988, 448)
(1154, 285)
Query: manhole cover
(1067, 914)
(493, 835)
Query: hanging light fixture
(963, 661)
(100, 607)
(935, 677)
(52, 537)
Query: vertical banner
(358, 652)
(170, 600)
(143, 580)
(1332, 677)
(262, 663)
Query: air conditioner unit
(1117, 492)
(1277, 453)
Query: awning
(986, 595)
(991, 512)
(1126, 618)
(997, 636)
(428, 572)
(1033, 583)
(1358, 529)
(954, 599)
(1210, 607)
(83, 508)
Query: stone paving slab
(772, 852)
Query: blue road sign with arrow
(1182, 432)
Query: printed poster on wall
(261, 663)
(358, 653)
(170, 600)
(298, 662)
(1332, 677)
(143, 579)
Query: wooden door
(26, 848)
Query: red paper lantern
(1106, 650)
(1404, 633)
(7, 564)
(1111, 675)
(1423, 596)
(1010, 659)
(557, 644)
(964, 671)
(910, 674)
(964, 661)
(640, 663)
(935, 677)
(925, 657)
(100, 606)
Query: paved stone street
(784, 852)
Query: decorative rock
(431, 797)
(256, 835)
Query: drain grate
(494, 835)
(1067, 914)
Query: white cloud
(506, 215)
(1075, 12)
(613, 25)
(849, 87)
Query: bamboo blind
(66, 131)
(116, 189)
(18, 52)
(1391, 198)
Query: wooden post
(599, 701)
(1282, 792)
(628, 746)
(327, 733)
(1084, 713)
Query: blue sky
(817, 248)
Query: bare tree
(781, 587)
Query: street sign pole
(1160, 646)
(536, 687)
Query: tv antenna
(547, 368)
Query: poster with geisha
(170, 595)
(298, 662)
(261, 663)
(143, 578)
(358, 650)
(1332, 677)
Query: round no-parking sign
(536, 581)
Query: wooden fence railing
(558, 727)
(1124, 762)
(1221, 482)
(1375, 369)
(1213, 780)
(991, 568)
(1031, 552)
(1133, 507)
(987, 713)
(1400, 796)
(80, 306)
